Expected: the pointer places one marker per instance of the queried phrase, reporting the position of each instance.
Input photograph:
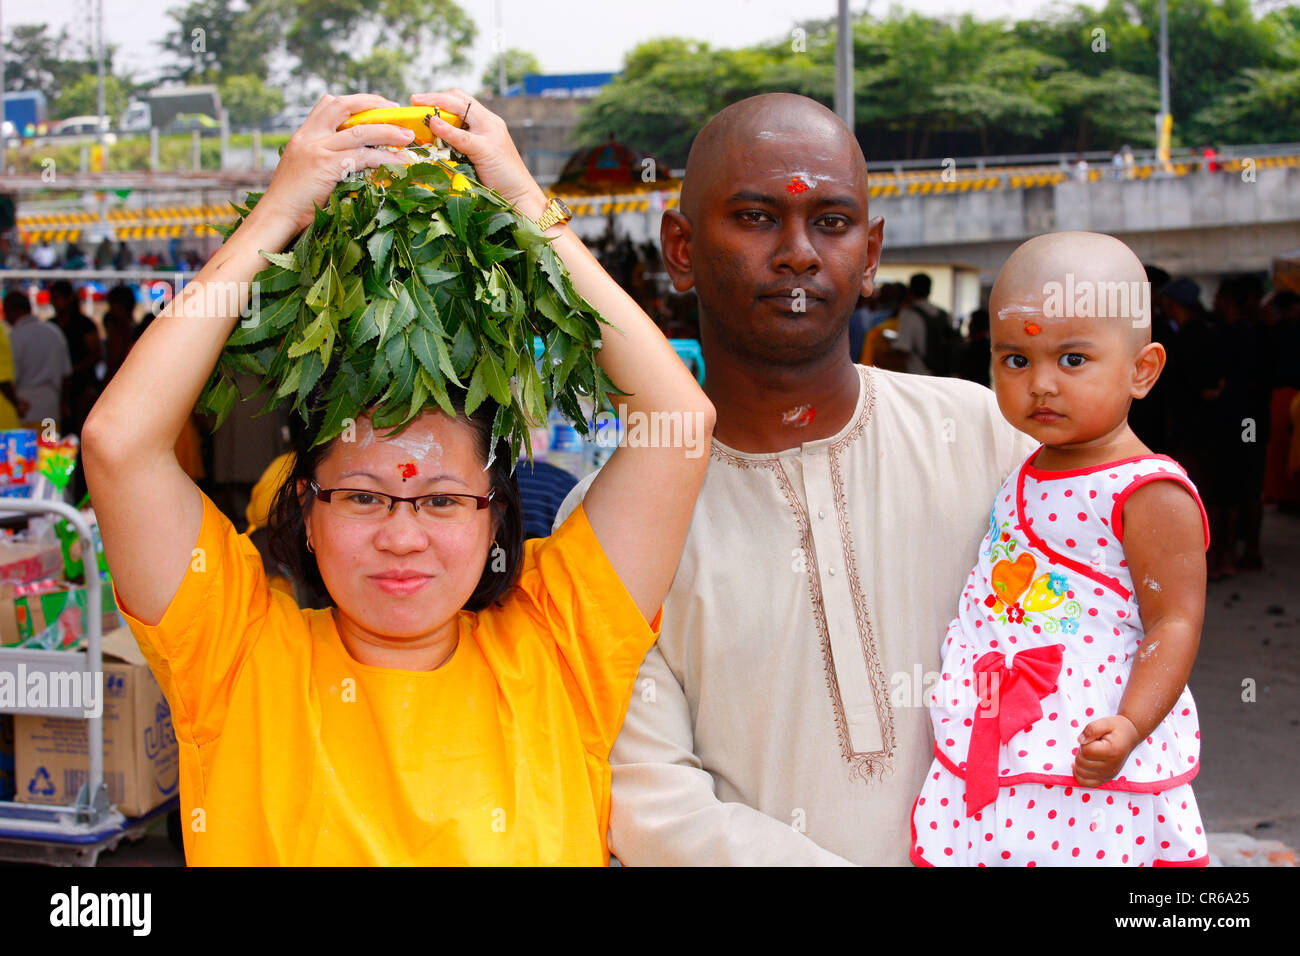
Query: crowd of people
(52, 372)
(40, 254)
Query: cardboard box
(23, 562)
(141, 758)
(30, 609)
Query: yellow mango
(414, 118)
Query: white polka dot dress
(1047, 630)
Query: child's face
(1063, 381)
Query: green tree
(519, 63)
(210, 37)
(247, 100)
(32, 60)
(427, 38)
(82, 98)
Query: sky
(567, 36)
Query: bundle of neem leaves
(413, 277)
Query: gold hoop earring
(309, 547)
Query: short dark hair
(919, 285)
(62, 287)
(17, 302)
(123, 296)
(288, 518)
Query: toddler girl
(1064, 730)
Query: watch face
(563, 208)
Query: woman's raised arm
(640, 504)
(149, 511)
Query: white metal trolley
(68, 834)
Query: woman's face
(402, 575)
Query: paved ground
(1250, 769)
(1249, 785)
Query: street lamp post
(1164, 122)
(844, 66)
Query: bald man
(782, 719)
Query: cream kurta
(781, 719)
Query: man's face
(781, 247)
(60, 302)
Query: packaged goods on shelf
(141, 756)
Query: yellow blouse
(293, 753)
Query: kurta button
(821, 513)
(831, 572)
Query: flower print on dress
(1020, 595)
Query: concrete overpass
(1201, 224)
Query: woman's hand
(486, 142)
(319, 154)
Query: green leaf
(221, 400)
(322, 291)
(444, 360)
(426, 313)
(268, 320)
(437, 227)
(354, 296)
(422, 340)
(549, 307)
(290, 383)
(463, 349)
(312, 338)
(439, 391)
(284, 260)
(431, 276)
(312, 368)
(419, 395)
(379, 245)
(364, 327)
(457, 211)
(339, 410)
(403, 313)
(276, 279)
(351, 257)
(477, 390)
(495, 378)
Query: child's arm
(1164, 545)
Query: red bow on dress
(1009, 703)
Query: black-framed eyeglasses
(363, 504)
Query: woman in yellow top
(458, 701)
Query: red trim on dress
(1055, 557)
(916, 858)
(1117, 513)
(1199, 861)
(1127, 786)
(1075, 472)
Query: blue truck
(25, 109)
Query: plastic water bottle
(567, 449)
(603, 440)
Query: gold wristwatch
(556, 212)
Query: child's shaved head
(1084, 277)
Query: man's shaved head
(768, 118)
(1072, 265)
